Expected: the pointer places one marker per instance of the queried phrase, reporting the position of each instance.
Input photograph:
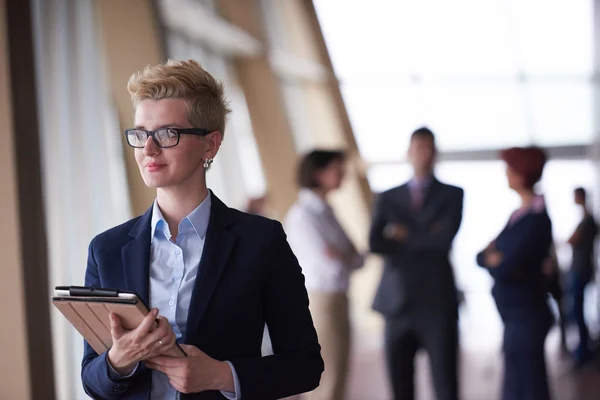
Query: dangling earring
(207, 163)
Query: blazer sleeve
(438, 236)
(520, 248)
(296, 365)
(97, 382)
(378, 243)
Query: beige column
(131, 39)
(14, 374)
(267, 111)
(26, 370)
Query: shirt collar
(537, 206)
(312, 200)
(197, 220)
(420, 183)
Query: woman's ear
(318, 178)
(213, 141)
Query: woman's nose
(150, 147)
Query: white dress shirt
(312, 229)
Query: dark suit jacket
(519, 281)
(248, 275)
(417, 273)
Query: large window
(480, 73)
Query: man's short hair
(187, 80)
(423, 132)
(315, 161)
(581, 192)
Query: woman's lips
(153, 167)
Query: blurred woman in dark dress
(515, 259)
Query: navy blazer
(417, 274)
(519, 281)
(248, 276)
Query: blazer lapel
(431, 203)
(216, 252)
(403, 199)
(430, 194)
(135, 256)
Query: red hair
(526, 161)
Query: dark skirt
(525, 375)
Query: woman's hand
(195, 373)
(346, 257)
(493, 258)
(333, 253)
(395, 231)
(148, 340)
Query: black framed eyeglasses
(163, 138)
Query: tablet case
(90, 316)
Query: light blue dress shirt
(173, 270)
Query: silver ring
(160, 342)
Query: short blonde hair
(177, 79)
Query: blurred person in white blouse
(327, 257)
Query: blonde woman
(212, 275)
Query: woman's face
(515, 180)
(331, 177)
(175, 166)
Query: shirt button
(171, 302)
(174, 279)
(178, 252)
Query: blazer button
(119, 388)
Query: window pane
(387, 176)
(401, 37)
(383, 117)
(476, 116)
(481, 73)
(461, 37)
(554, 36)
(562, 113)
(363, 37)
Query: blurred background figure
(554, 277)
(515, 259)
(413, 228)
(582, 272)
(327, 257)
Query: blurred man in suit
(413, 229)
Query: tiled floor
(481, 373)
